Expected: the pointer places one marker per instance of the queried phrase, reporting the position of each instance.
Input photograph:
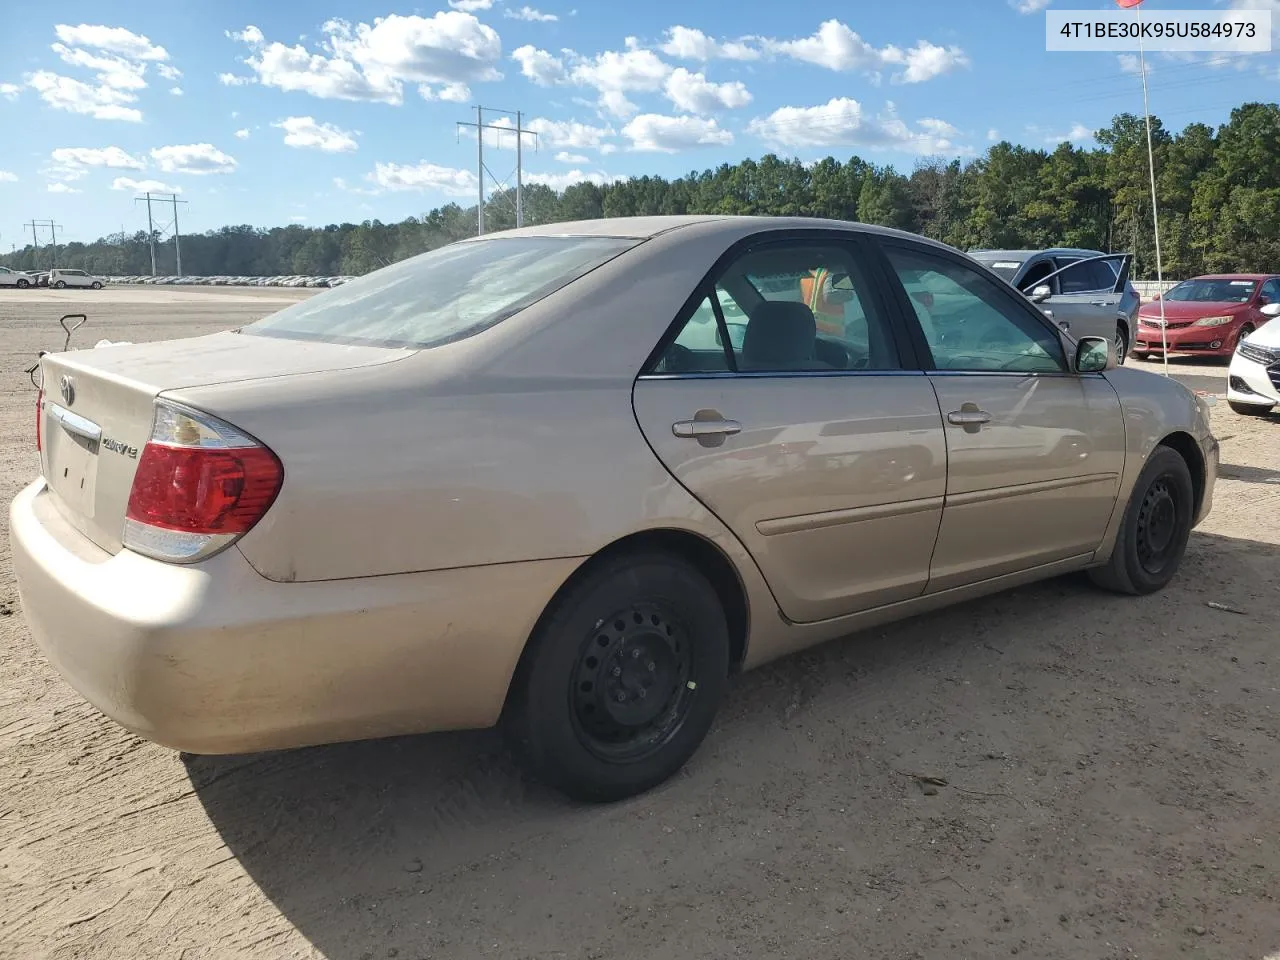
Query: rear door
(825, 456)
(1035, 452)
(1087, 295)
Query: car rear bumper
(214, 658)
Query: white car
(1253, 379)
(60, 279)
(15, 278)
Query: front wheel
(23, 283)
(1122, 344)
(1155, 529)
(60, 285)
(622, 678)
(97, 285)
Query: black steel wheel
(1156, 526)
(622, 678)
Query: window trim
(902, 302)
(859, 247)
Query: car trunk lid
(98, 407)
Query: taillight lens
(200, 485)
(39, 420)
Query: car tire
(1122, 344)
(1155, 529)
(97, 285)
(1244, 331)
(60, 285)
(23, 283)
(579, 714)
(1250, 409)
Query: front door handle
(1100, 303)
(969, 417)
(708, 427)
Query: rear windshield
(444, 295)
(1008, 269)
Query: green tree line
(1219, 196)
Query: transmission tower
(170, 226)
(482, 170)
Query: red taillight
(200, 484)
(39, 418)
(207, 491)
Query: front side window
(444, 295)
(1271, 290)
(970, 323)
(793, 306)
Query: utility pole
(35, 242)
(482, 170)
(36, 225)
(163, 198)
(53, 233)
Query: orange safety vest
(829, 316)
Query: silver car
(1086, 292)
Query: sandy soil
(1110, 768)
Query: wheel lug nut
(617, 671)
(635, 654)
(622, 696)
(652, 667)
(643, 693)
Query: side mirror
(1041, 293)
(1155, 296)
(1270, 310)
(1094, 355)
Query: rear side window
(442, 296)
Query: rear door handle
(702, 429)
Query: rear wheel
(60, 285)
(23, 283)
(97, 285)
(1250, 409)
(1155, 529)
(622, 678)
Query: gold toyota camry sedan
(570, 479)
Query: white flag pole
(1155, 212)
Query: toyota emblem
(68, 388)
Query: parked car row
(229, 281)
(58, 279)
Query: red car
(1207, 315)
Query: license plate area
(71, 457)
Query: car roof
(643, 228)
(1028, 254)
(1235, 276)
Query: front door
(1034, 451)
(823, 453)
(1086, 299)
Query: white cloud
(570, 133)
(168, 72)
(242, 134)
(686, 43)
(143, 186)
(842, 122)
(541, 67)
(298, 218)
(993, 134)
(195, 158)
(1079, 133)
(565, 157)
(694, 93)
(616, 73)
(307, 133)
(75, 96)
(7, 177)
(652, 132)
(1129, 63)
(559, 181)
(371, 62)
(1029, 6)
(10, 91)
(61, 188)
(452, 92)
(835, 46)
(530, 14)
(176, 91)
(231, 80)
(470, 6)
(117, 40)
(925, 61)
(424, 177)
(113, 157)
(114, 72)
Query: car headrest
(780, 335)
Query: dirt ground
(1110, 768)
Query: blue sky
(317, 112)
